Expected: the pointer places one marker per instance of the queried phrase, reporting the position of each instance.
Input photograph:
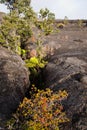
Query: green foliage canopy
(16, 4)
(47, 19)
(16, 27)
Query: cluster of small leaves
(8, 36)
(16, 27)
(46, 20)
(16, 4)
(42, 112)
(35, 62)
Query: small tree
(46, 21)
(12, 4)
(16, 27)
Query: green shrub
(16, 26)
(35, 62)
(42, 112)
(46, 21)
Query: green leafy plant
(35, 62)
(42, 112)
(16, 27)
(46, 20)
(16, 4)
(35, 66)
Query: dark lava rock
(14, 81)
(68, 71)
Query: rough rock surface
(67, 70)
(70, 73)
(14, 81)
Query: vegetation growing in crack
(17, 28)
(43, 111)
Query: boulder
(14, 82)
(68, 71)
